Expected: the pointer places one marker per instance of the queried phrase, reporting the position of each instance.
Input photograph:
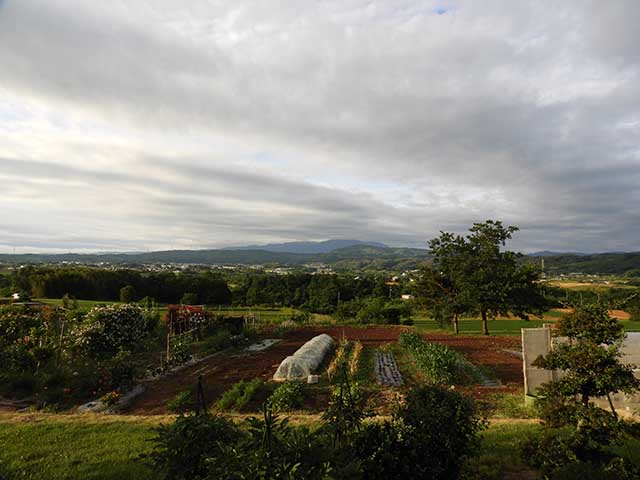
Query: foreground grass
(103, 447)
(499, 455)
(59, 449)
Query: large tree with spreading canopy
(474, 274)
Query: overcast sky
(135, 125)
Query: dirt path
(220, 372)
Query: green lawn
(271, 315)
(50, 449)
(83, 305)
(57, 448)
(474, 326)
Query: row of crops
(250, 395)
(436, 363)
(439, 364)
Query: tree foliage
(589, 359)
(101, 284)
(473, 274)
(429, 436)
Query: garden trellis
(184, 325)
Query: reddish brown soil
(618, 314)
(221, 371)
(487, 351)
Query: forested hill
(608, 263)
(325, 246)
(355, 257)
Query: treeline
(317, 293)
(101, 284)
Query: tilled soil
(487, 351)
(221, 371)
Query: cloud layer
(149, 125)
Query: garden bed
(221, 372)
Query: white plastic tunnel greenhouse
(305, 360)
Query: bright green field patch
(473, 326)
(499, 327)
(60, 450)
(86, 305)
(268, 315)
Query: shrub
(105, 330)
(431, 436)
(18, 384)
(181, 403)
(301, 317)
(275, 450)
(127, 294)
(110, 398)
(348, 310)
(122, 371)
(372, 311)
(288, 396)
(182, 448)
(189, 299)
(439, 364)
(592, 368)
(216, 342)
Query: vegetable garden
(356, 415)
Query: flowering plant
(108, 329)
(110, 398)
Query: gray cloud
(158, 124)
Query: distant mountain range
(340, 254)
(357, 255)
(325, 246)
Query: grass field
(74, 447)
(474, 326)
(262, 314)
(83, 305)
(50, 448)
(511, 326)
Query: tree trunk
(456, 327)
(485, 327)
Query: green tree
(473, 274)
(440, 294)
(591, 366)
(189, 299)
(127, 294)
(590, 359)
